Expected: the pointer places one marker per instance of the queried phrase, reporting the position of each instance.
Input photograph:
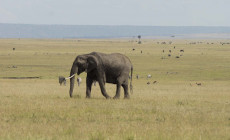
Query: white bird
(79, 81)
(149, 76)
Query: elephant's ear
(92, 63)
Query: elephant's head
(82, 63)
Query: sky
(117, 12)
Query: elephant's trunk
(74, 70)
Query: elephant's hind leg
(126, 91)
(117, 96)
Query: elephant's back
(115, 60)
(118, 63)
(120, 58)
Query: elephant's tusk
(70, 77)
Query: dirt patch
(20, 77)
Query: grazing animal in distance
(181, 50)
(62, 80)
(137, 76)
(199, 84)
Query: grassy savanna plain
(173, 108)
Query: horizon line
(117, 25)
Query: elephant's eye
(79, 64)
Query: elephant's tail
(131, 86)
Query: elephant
(104, 68)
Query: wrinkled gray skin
(104, 68)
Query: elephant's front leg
(117, 96)
(102, 86)
(89, 83)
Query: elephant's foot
(126, 97)
(87, 96)
(108, 97)
(116, 97)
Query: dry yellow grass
(173, 108)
